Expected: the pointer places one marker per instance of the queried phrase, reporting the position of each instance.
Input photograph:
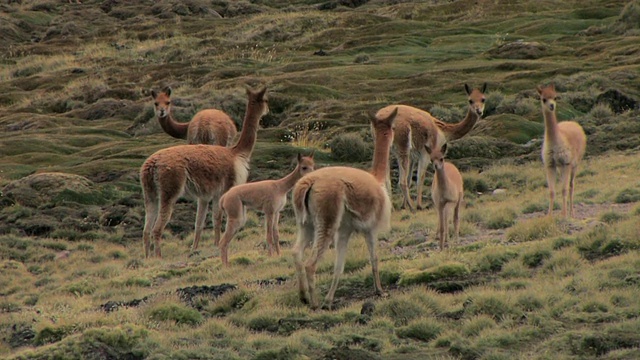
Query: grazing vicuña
(332, 203)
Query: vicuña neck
(287, 182)
(381, 157)
(248, 135)
(456, 131)
(441, 177)
(172, 127)
(550, 124)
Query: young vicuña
(209, 126)
(562, 150)
(268, 196)
(204, 172)
(332, 203)
(416, 128)
(446, 192)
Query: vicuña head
(476, 99)
(268, 196)
(547, 97)
(162, 102)
(204, 172)
(334, 202)
(208, 126)
(563, 147)
(446, 192)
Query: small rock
(499, 192)
(63, 254)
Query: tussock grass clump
(350, 147)
(444, 271)
(611, 217)
(628, 195)
(501, 219)
(490, 304)
(601, 113)
(422, 330)
(533, 229)
(475, 325)
(401, 310)
(178, 314)
(536, 257)
(492, 259)
(602, 243)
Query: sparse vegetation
(76, 127)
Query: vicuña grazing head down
(209, 126)
(446, 192)
(268, 196)
(562, 150)
(332, 203)
(416, 128)
(204, 172)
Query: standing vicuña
(209, 126)
(204, 172)
(563, 148)
(268, 196)
(332, 203)
(416, 128)
(447, 192)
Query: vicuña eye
(156, 104)
(471, 102)
(544, 101)
(483, 100)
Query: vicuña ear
(313, 152)
(539, 89)
(443, 149)
(392, 117)
(153, 93)
(552, 86)
(426, 147)
(467, 89)
(260, 93)
(167, 90)
(484, 88)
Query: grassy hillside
(518, 285)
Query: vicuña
(332, 203)
(268, 196)
(562, 150)
(446, 192)
(416, 128)
(204, 172)
(209, 126)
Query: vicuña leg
(269, 218)
(276, 234)
(404, 161)
(571, 186)
(551, 184)
(166, 208)
(217, 226)
(324, 237)
(236, 218)
(442, 225)
(564, 180)
(151, 215)
(304, 240)
(456, 219)
(338, 268)
(423, 161)
(371, 239)
(201, 214)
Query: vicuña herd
(331, 203)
